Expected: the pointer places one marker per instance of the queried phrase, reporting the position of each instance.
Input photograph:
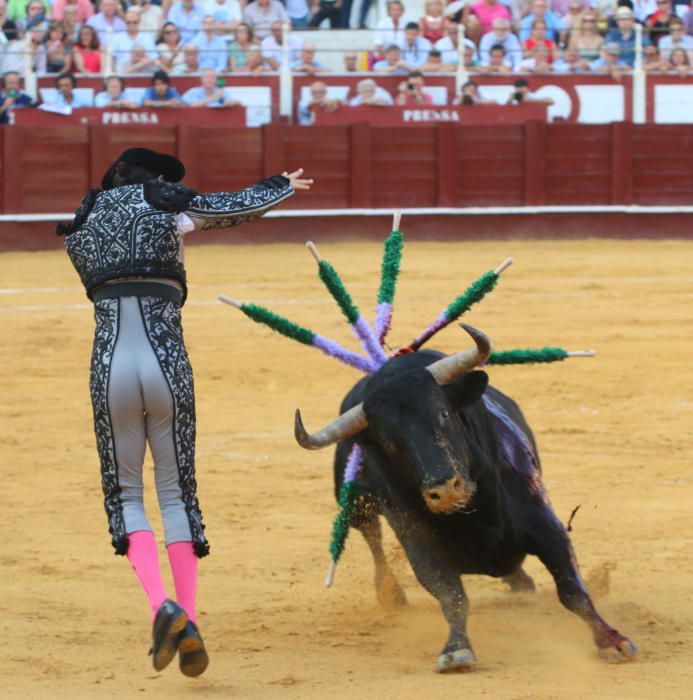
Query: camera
(519, 96)
(411, 87)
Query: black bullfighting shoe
(193, 657)
(169, 622)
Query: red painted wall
(50, 169)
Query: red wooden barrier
(358, 165)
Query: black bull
(453, 466)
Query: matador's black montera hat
(159, 163)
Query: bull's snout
(449, 496)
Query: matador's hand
(296, 182)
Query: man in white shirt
(261, 14)
(390, 30)
(213, 49)
(151, 16)
(187, 16)
(501, 36)
(676, 39)
(448, 45)
(415, 48)
(107, 23)
(227, 14)
(124, 42)
(65, 96)
(272, 47)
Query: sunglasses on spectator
(589, 20)
(133, 22)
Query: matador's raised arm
(225, 209)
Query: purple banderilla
(334, 349)
(353, 465)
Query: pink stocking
(144, 557)
(184, 569)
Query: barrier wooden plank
(359, 165)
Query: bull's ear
(467, 389)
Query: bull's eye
(444, 415)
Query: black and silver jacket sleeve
(225, 209)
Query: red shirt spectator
(433, 24)
(658, 22)
(87, 54)
(538, 36)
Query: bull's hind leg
(520, 581)
(389, 592)
(552, 545)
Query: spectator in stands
(7, 25)
(254, 63)
(392, 63)
(191, 61)
(325, 9)
(84, 9)
(501, 36)
(435, 64)
(151, 16)
(571, 62)
(244, 41)
(449, 45)
(588, 41)
(272, 46)
(414, 47)
(36, 48)
(113, 95)
(58, 55)
(318, 100)
(571, 19)
(678, 39)
(688, 21)
(658, 22)
(470, 94)
(554, 26)
(538, 36)
(187, 15)
(36, 14)
(227, 15)
(210, 92)
(170, 47)
(70, 23)
(432, 24)
(390, 29)
(368, 93)
(497, 61)
(479, 17)
(652, 62)
(610, 61)
(213, 49)
(307, 62)
(624, 35)
(11, 96)
(351, 62)
(65, 93)
(86, 52)
(680, 63)
(522, 93)
(260, 15)
(410, 91)
(141, 62)
(123, 43)
(161, 94)
(107, 23)
(537, 62)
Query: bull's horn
(349, 423)
(447, 369)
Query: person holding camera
(11, 96)
(471, 95)
(522, 93)
(411, 92)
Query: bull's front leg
(388, 591)
(552, 545)
(441, 578)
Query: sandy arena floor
(615, 433)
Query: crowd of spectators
(211, 38)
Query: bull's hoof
(390, 594)
(619, 651)
(457, 661)
(520, 582)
